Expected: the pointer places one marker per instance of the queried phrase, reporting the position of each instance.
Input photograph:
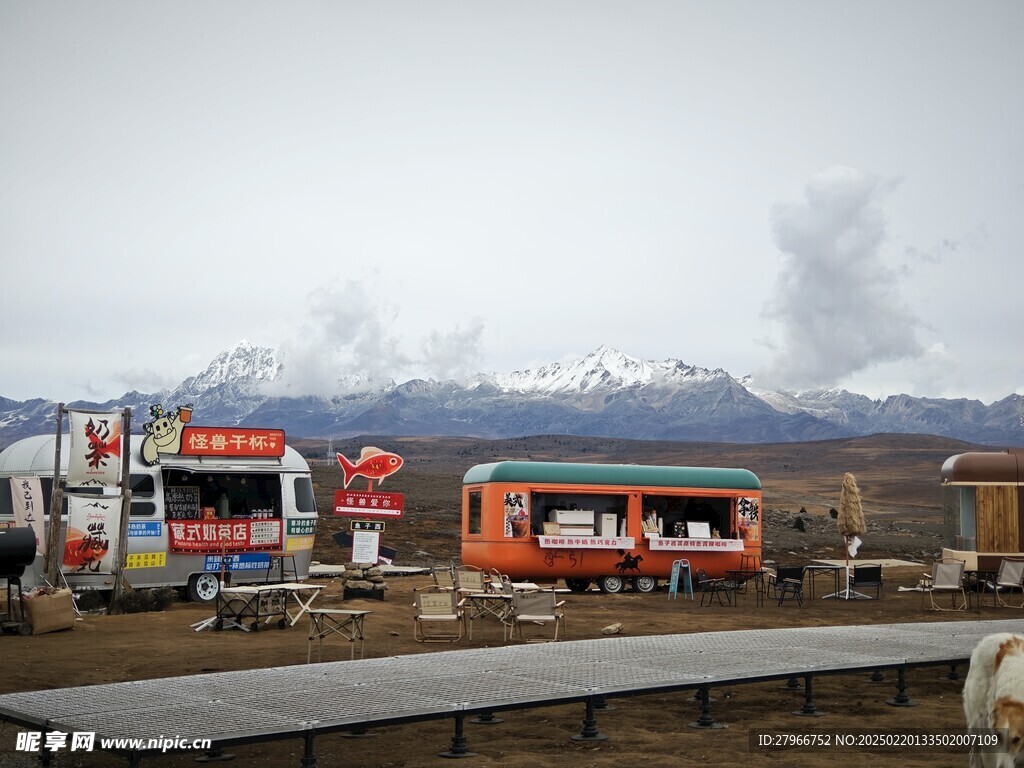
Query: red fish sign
(373, 463)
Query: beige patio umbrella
(850, 521)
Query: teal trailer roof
(632, 475)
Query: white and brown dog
(994, 697)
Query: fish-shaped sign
(373, 463)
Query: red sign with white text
(368, 504)
(216, 536)
(232, 441)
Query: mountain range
(604, 393)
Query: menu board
(181, 502)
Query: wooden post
(56, 496)
(120, 583)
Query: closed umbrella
(850, 521)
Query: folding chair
(947, 576)
(788, 584)
(470, 580)
(438, 617)
(712, 588)
(1010, 577)
(783, 572)
(500, 583)
(444, 579)
(866, 576)
(536, 608)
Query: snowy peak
(605, 368)
(244, 361)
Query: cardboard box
(49, 613)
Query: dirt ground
(650, 730)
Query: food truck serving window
(674, 513)
(192, 495)
(595, 512)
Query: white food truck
(224, 503)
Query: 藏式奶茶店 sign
(214, 536)
(368, 504)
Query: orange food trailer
(615, 524)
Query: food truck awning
(541, 472)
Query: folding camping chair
(444, 578)
(782, 573)
(536, 608)
(866, 576)
(947, 576)
(1010, 577)
(468, 580)
(713, 588)
(438, 617)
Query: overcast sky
(822, 194)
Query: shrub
(164, 597)
(833, 513)
(800, 525)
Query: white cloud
(837, 303)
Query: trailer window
(142, 485)
(474, 512)
(143, 509)
(305, 501)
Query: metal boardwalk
(305, 700)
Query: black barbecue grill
(17, 550)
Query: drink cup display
(185, 414)
(520, 527)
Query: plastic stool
(750, 561)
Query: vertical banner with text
(92, 533)
(30, 508)
(95, 453)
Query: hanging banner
(30, 508)
(748, 513)
(93, 524)
(517, 515)
(95, 455)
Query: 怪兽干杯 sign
(232, 441)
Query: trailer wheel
(24, 629)
(577, 585)
(282, 624)
(644, 584)
(203, 587)
(611, 585)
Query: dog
(994, 697)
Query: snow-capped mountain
(604, 392)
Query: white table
(328, 621)
(260, 601)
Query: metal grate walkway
(305, 700)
